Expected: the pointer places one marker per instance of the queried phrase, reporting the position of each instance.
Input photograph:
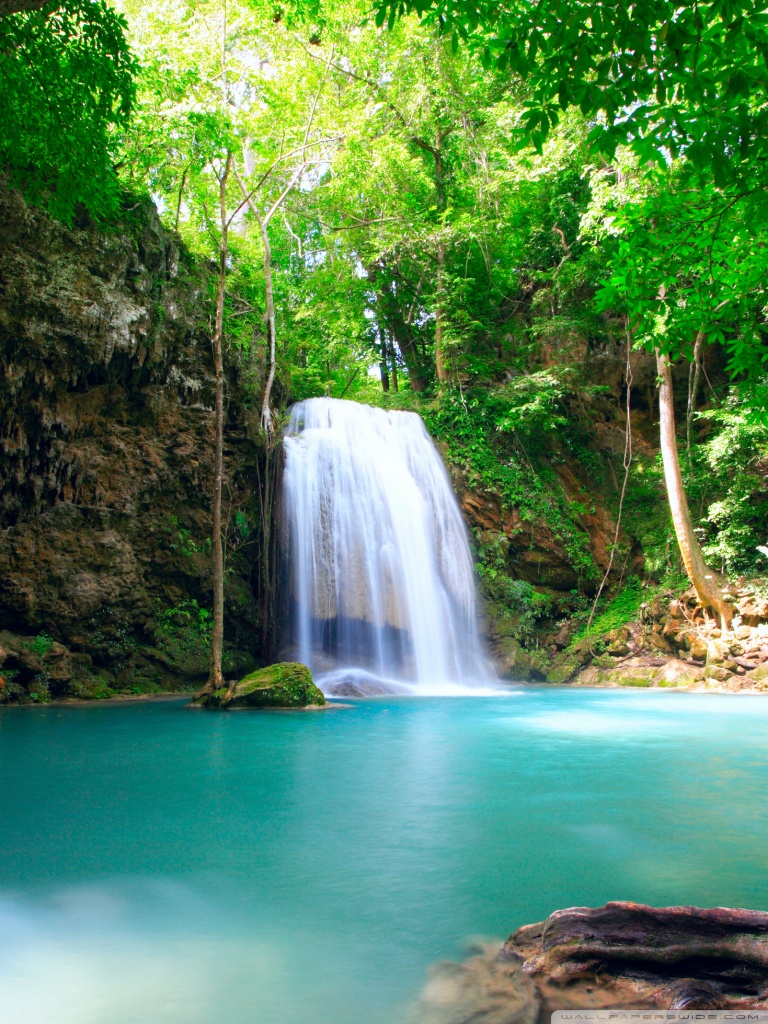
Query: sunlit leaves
(686, 258)
(67, 89)
(657, 74)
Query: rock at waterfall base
(620, 956)
(285, 685)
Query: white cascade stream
(382, 584)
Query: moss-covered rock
(641, 672)
(512, 662)
(285, 685)
(562, 673)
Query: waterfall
(382, 585)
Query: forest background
(454, 209)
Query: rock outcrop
(284, 685)
(672, 644)
(106, 462)
(622, 955)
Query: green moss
(564, 672)
(285, 685)
(103, 692)
(92, 689)
(141, 685)
(39, 645)
(622, 609)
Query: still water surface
(160, 865)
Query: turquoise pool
(161, 865)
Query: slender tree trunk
(443, 373)
(693, 388)
(393, 362)
(263, 220)
(401, 332)
(181, 194)
(266, 539)
(216, 677)
(399, 327)
(266, 406)
(442, 370)
(701, 576)
(384, 363)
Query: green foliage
(517, 602)
(41, 644)
(533, 403)
(67, 75)
(658, 74)
(685, 257)
(730, 482)
(187, 627)
(676, 98)
(624, 607)
(466, 426)
(184, 541)
(38, 691)
(102, 691)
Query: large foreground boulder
(285, 685)
(620, 956)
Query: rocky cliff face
(106, 439)
(543, 563)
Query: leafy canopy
(67, 89)
(664, 76)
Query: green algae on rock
(284, 685)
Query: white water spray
(382, 583)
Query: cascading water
(382, 586)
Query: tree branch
(269, 170)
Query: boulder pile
(674, 644)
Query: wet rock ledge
(620, 956)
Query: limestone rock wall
(106, 432)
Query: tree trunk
(393, 361)
(701, 576)
(693, 388)
(384, 362)
(181, 195)
(266, 407)
(263, 220)
(401, 333)
(442, 370)
(216, 677)
(391, 316)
